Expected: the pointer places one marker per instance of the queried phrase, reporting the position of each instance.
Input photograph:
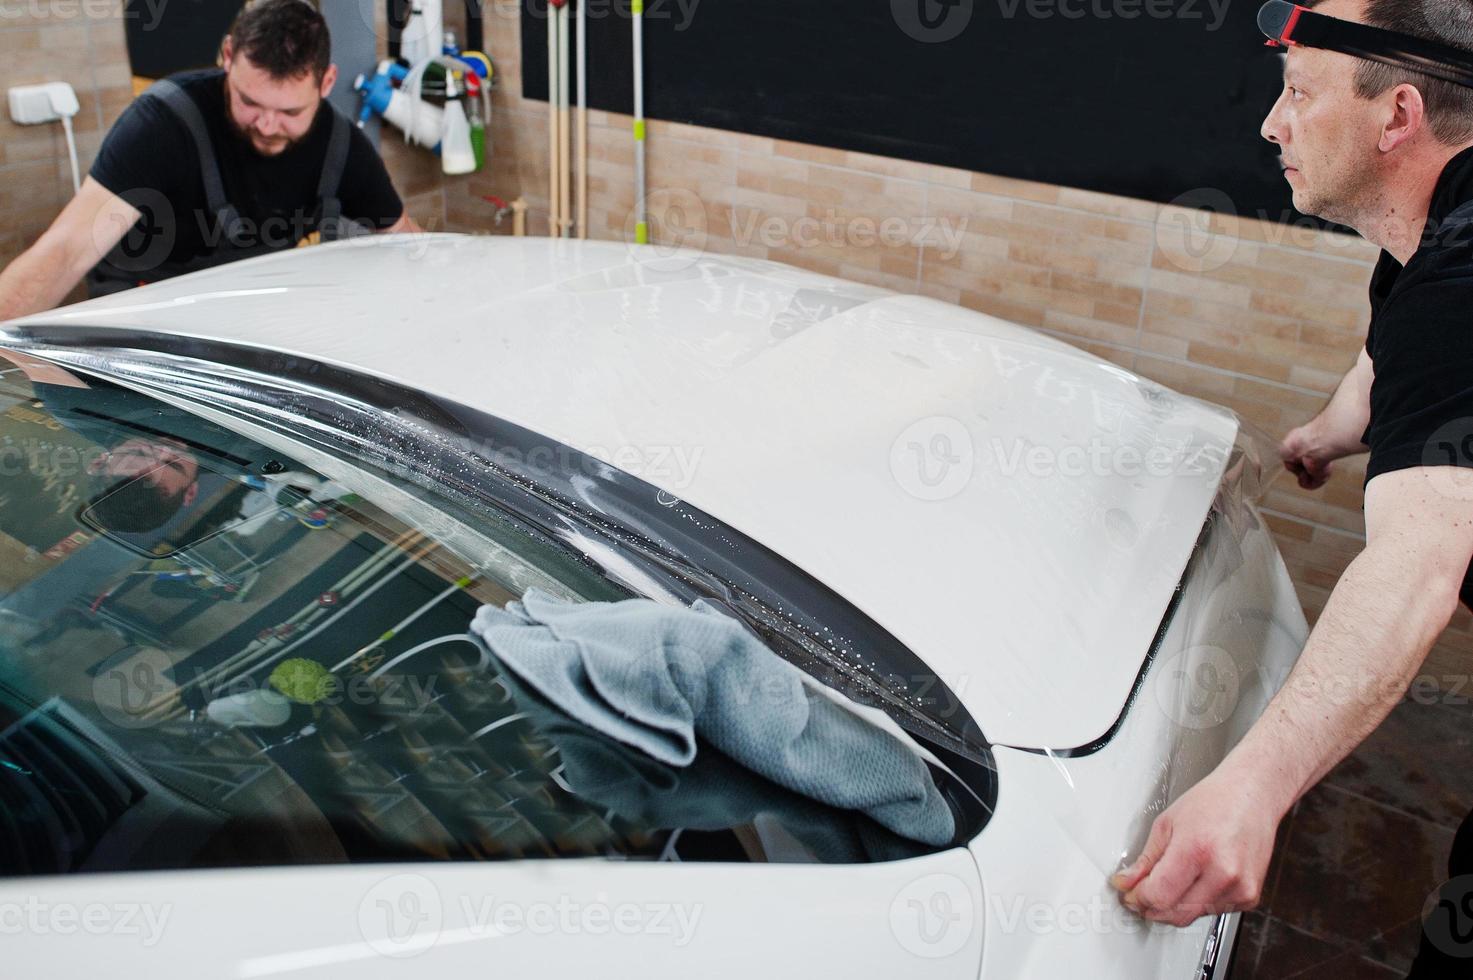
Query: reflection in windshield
(212, 654)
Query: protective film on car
(1231, 634)
(575, 531)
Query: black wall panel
(165, 36)
(1074, 92)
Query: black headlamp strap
(1290, 24)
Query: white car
(249, 515)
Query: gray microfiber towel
(655, 677)
(712, 793)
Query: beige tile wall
(83, 42)
(51, 44)
(1262, 316)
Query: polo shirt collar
(1454, 187)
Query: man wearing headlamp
(1375, 129)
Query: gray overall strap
(177, 100)
(334, 163)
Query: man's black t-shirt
(1421, 342)
(149, 159)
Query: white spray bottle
(457, 154)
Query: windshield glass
(216, 653)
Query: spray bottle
(478, 124)
(457, 155)
(421, 122)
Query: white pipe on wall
(582, 118)
(641, 219)
(552, 133)
(565, 156)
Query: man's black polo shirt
(1421, 341)
(149, 159)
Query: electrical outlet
(42, 103)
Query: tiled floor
(1360, 854)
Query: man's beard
(251, 137)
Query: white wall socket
(42, 103)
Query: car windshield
(216, 651)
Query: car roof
(1016, 511)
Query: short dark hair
(1450, 22)
(285, 38)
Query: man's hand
(403, 225)
(1208, 852)
(1305, 457)
(1308, 450)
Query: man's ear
(329, 79)
(227, 53)
(1408, 113)
(191, 493)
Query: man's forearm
(1336, 431)
(89, 226)
(36, 280)
(1371, 638)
